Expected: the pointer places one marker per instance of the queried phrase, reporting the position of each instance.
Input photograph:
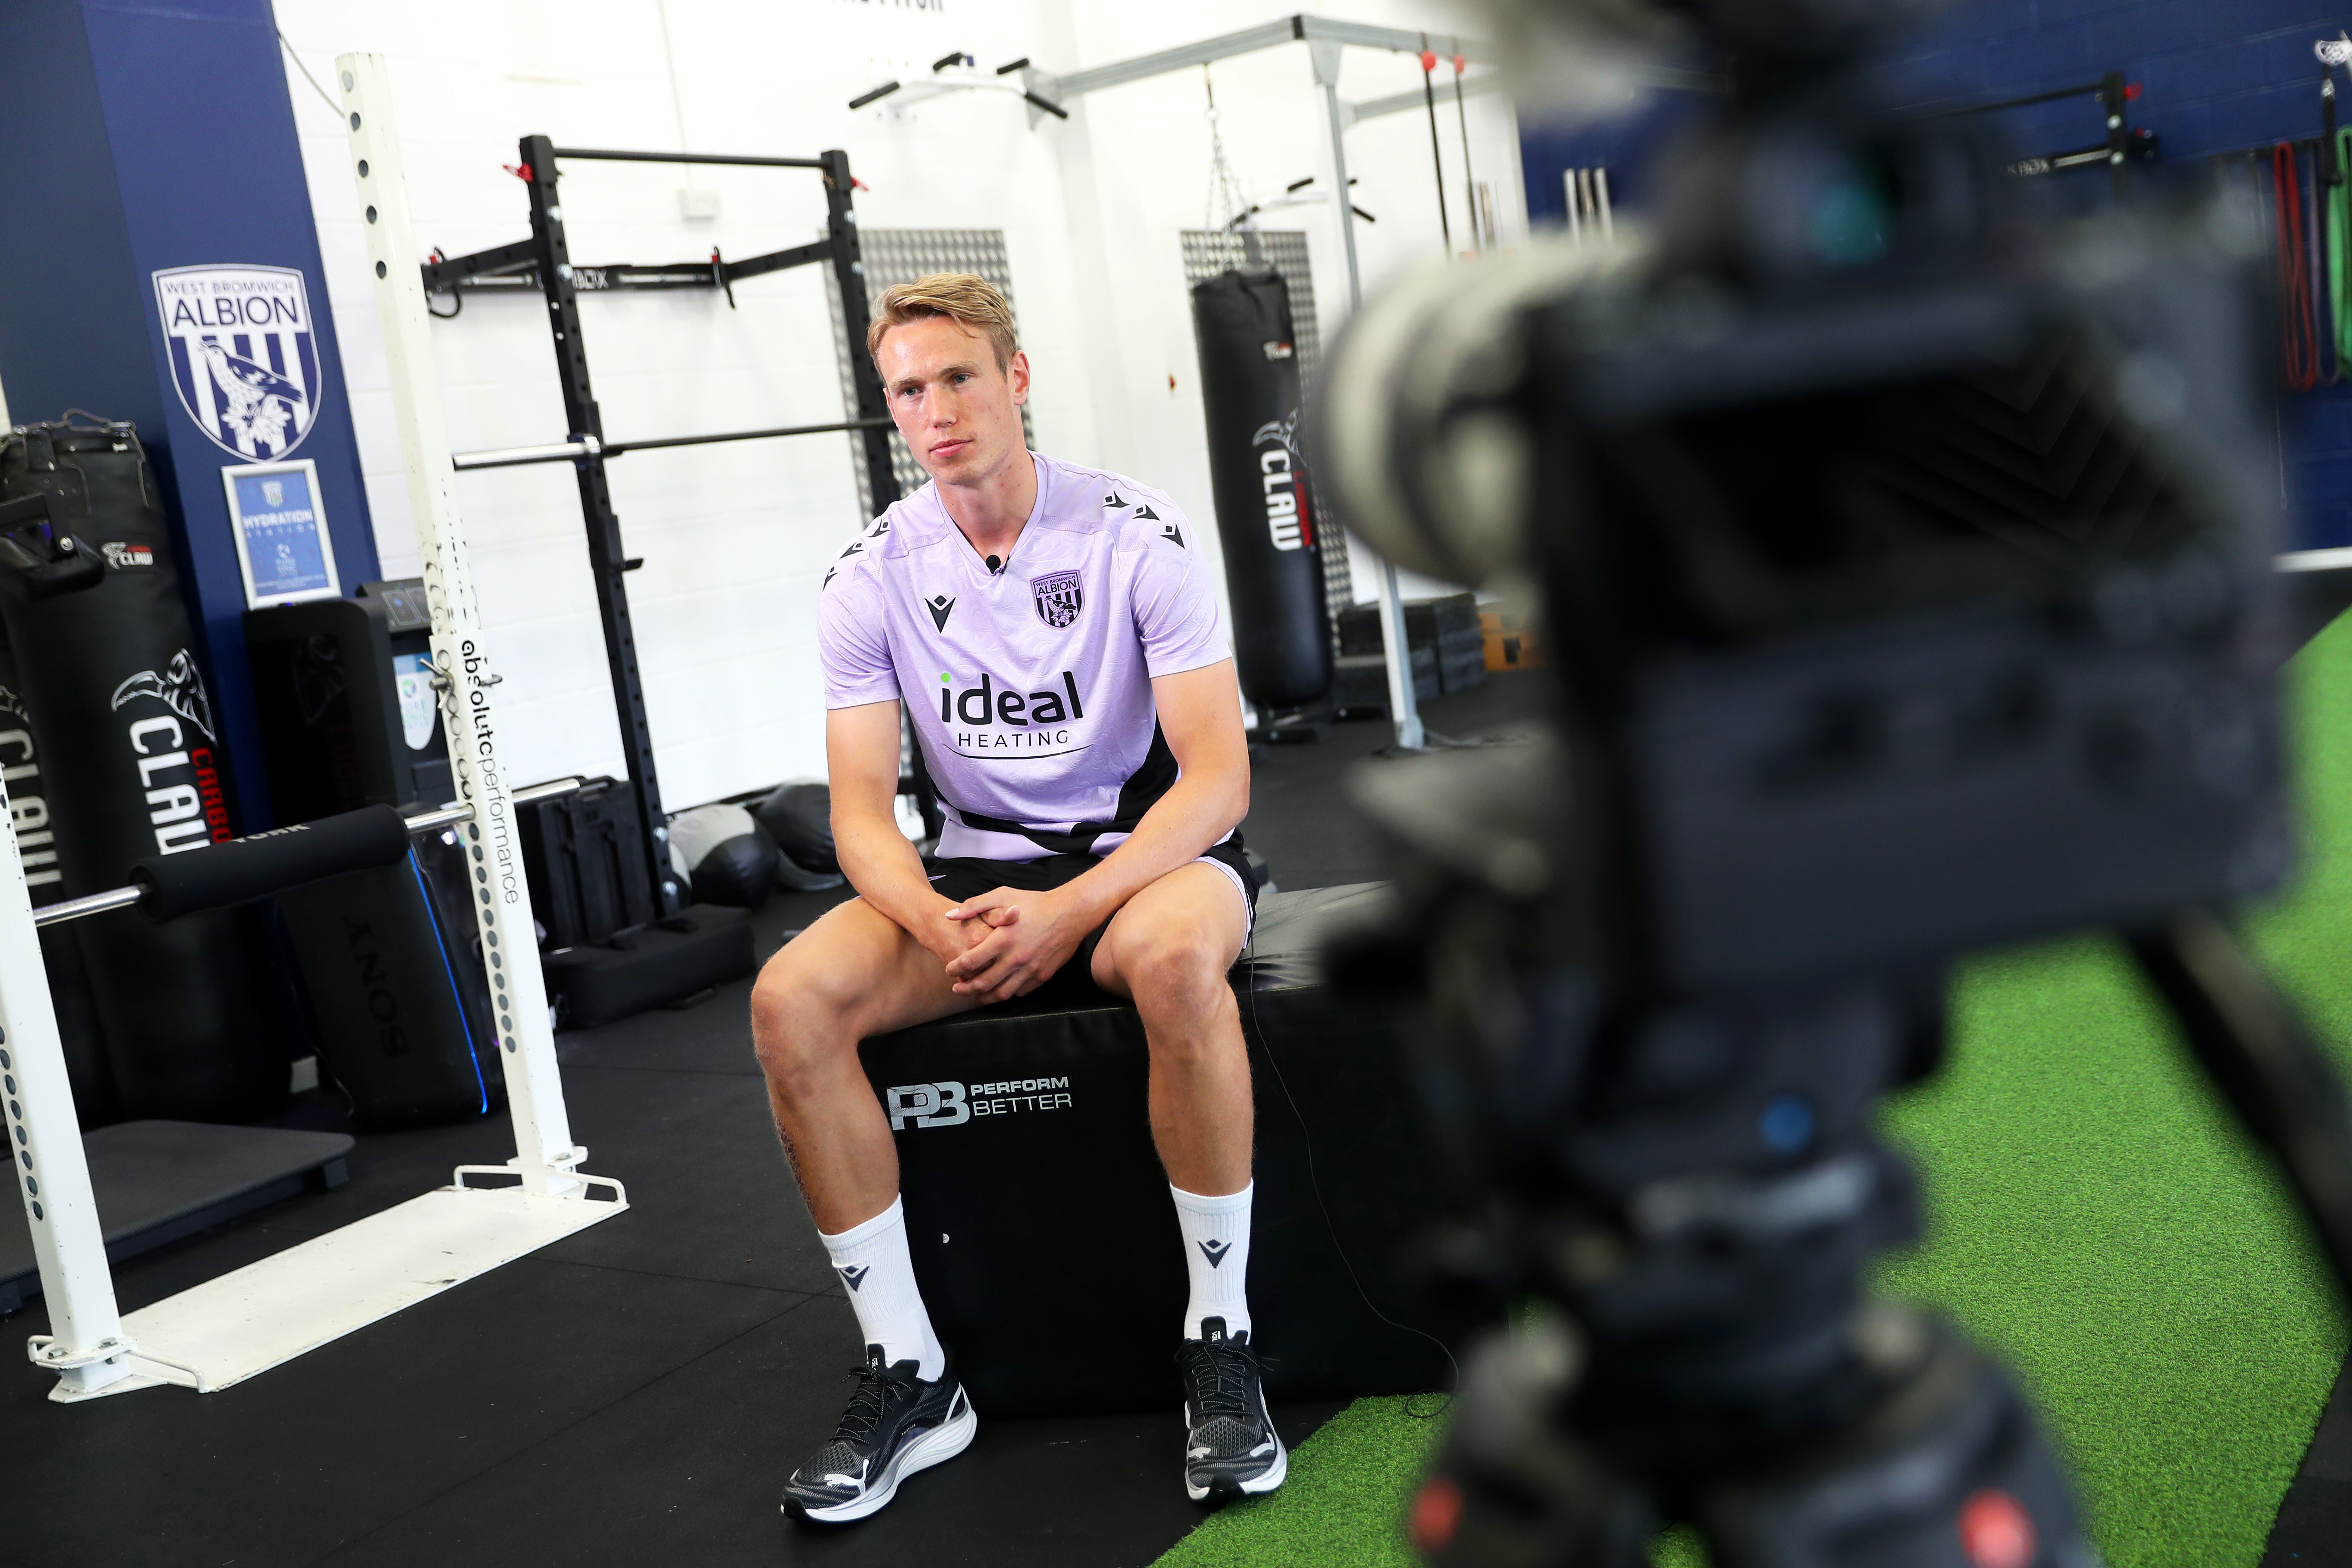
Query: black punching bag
(133, 765)
(1274, 573)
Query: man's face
(959, 413)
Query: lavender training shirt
(1030, 688)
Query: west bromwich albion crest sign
(1059, 597)
(244, 354)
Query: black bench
(1039, 1217)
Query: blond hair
(969, 302)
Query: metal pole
(1396, 654)
(849, 277)
(545, 1155)
(85, 1345)
(607, 557)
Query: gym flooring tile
(712, 1037)
(281, 1470)
(688, 1468)
(712, 1199)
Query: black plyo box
(1361, 681)
(1024, 1124)
(1441, 622)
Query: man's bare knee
(1177, 968)
(802, 1015)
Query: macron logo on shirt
(940, 605)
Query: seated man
(1052, 634)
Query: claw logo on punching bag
(244, 354)
(1287, 523)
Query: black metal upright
(849, 274)
(2114, 100)
(606, 559)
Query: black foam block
(1039, 1218)
(701, 947)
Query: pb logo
(928, 1105)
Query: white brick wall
(735, 538)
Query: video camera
(1904, 552)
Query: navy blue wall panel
(2212, 78)
(143, 138)
(71, 333)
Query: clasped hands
(1008, 941)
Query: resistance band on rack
(1478, 237)
(1436, 159)
(2325, 360)
(2300, 352)
(2338, 224)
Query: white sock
(1216, 1256)
(872, 1260)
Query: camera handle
(2261, 1057)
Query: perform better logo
(952, 1104)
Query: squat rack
(238, 1324)
(544, 262)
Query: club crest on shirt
(1058, 598)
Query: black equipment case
(390, 959)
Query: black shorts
(968, 878)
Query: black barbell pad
(244, 870)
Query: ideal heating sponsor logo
(989, 718)
(953, 1104)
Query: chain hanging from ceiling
(1225, 185)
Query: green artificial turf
(2094, 1220)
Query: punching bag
(133, 765)
(1274, 573)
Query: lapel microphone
(995, 565)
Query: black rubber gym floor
(636, 1394)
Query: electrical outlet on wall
(697, 206)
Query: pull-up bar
(608, 156)
(589, 446)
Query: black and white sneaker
(1231, 1448)
(896, 1425)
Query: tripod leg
(2263, 1058)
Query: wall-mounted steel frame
(543, 263)
(2115, 151)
